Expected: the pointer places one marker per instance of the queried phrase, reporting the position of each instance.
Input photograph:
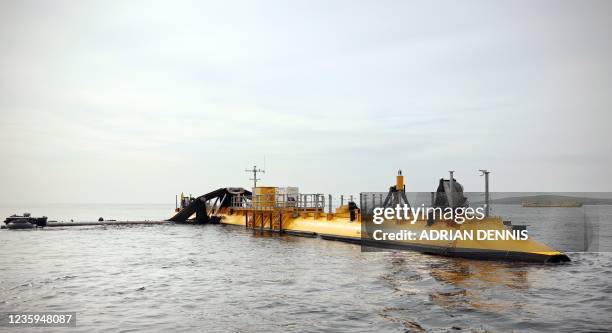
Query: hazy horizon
(129, 102)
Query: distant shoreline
(550, 201)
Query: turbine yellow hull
(338, 226)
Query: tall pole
(451, 185)
(485, 173)
(255, 171)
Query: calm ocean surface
(216, 278)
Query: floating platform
(308, 215)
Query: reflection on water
(473, 278)
(501, 296)
(222, 278)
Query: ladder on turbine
(270, 220)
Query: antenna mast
(255, 171)
(486, 173)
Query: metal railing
(306, 202)
(342, 199)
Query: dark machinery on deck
(206, 207)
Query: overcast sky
(135, 101)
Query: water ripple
(223, 278)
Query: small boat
(19, 225)
(25, 221)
